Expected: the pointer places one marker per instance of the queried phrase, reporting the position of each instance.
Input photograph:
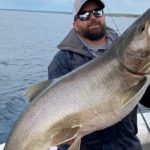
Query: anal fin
(65, 135)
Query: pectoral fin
(65, 135)
(134, 92)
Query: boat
(144, 129)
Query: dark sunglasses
(84, 16)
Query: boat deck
(143, 131)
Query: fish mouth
(148, 28)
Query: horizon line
(65, 12)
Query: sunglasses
(84, 16)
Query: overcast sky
(113, 6)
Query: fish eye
(141, 28)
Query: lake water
(27, 45)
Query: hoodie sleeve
(64, 62)
(59, 66)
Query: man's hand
(70, 142)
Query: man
(91, 37)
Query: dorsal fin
(36, 89)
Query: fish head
(134, 46)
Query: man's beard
(94, 34)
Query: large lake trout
(93, 97)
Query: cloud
(116, 6)
(127, 6)
(47, 5)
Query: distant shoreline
(61, 12)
